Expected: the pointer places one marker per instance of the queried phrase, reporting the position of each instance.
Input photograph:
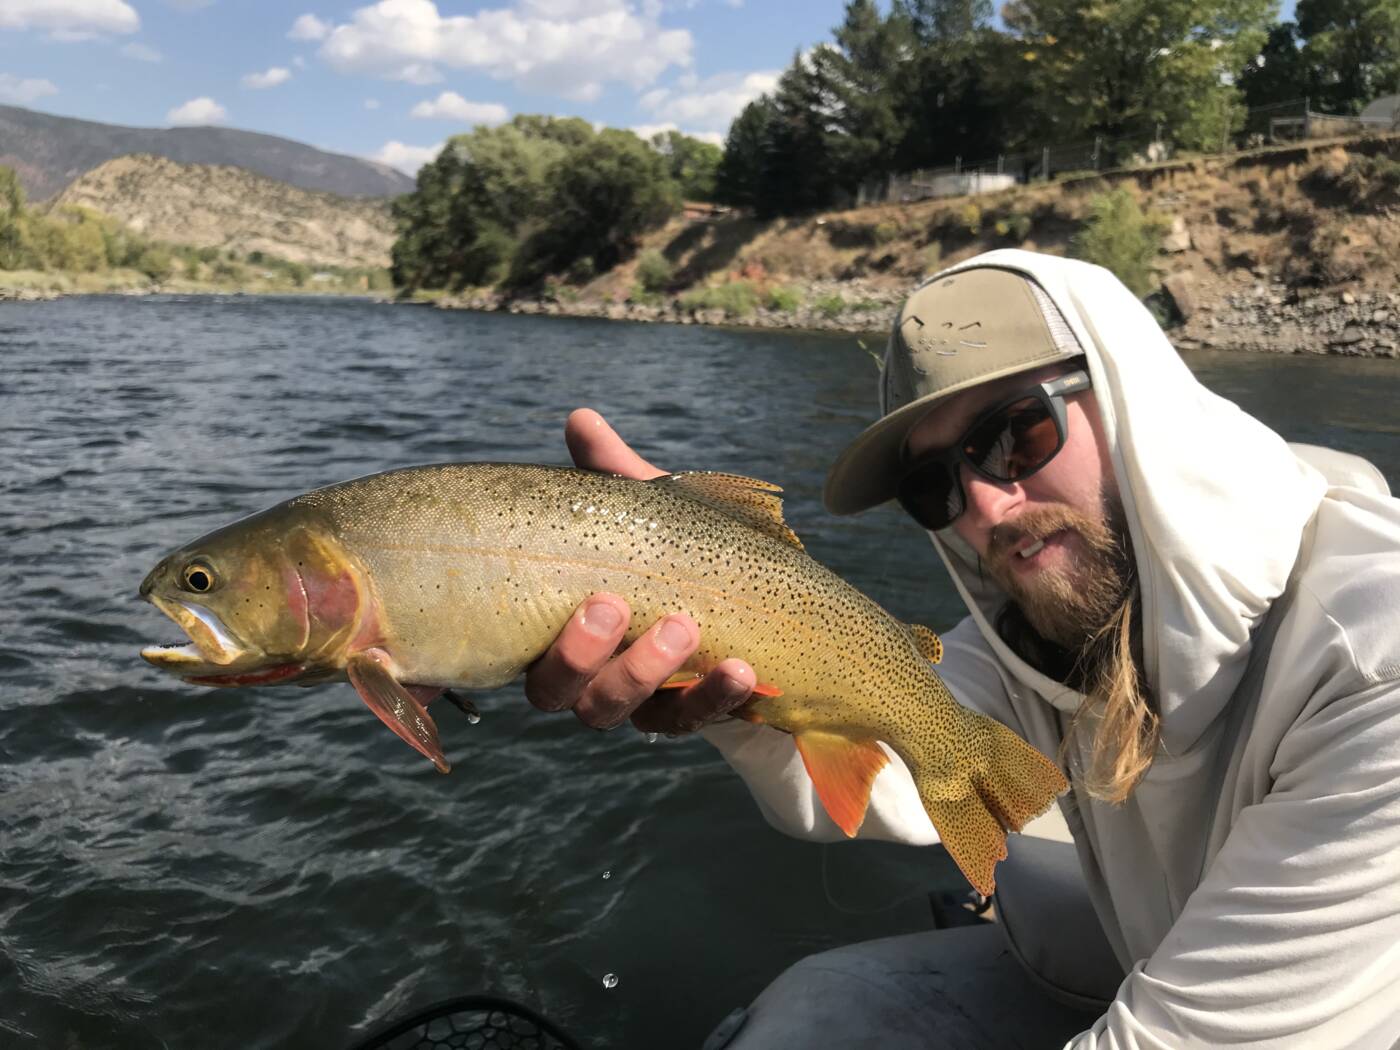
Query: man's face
(1055, 541)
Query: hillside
(230, 208)
(1289, 248)
(50, 151)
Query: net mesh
(471, 1024)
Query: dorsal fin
(930, 645)
(749, 500)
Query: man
(1199, 622)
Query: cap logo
(971, 344)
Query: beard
(1068, 606)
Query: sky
(392, 79)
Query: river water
(271, 867)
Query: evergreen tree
(864, 74)
(740, 174)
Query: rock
(1380, 316)
(1348, 299)
(1182, 288)
(1179, 239)
(1352, 333)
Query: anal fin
(370, 674)
(843, 771)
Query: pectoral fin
(842, 771)
(370, 674)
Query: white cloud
(141, 52)
(711, 104)
(408, 159)
(371, 103)
(70, 19)
(271, 78)
(202, 110)
(561, 47)
(309, 27)
(22, 92)
(646, 131)
(452, 106)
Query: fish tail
(1009, 785)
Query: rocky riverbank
(1267, 318)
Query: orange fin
(842, 771)
(930, 645)
(681, 679)
(396, 707)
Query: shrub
(933, 257)
(1122, 238)
(654, 271)
(782, 298)
(830, 305)
(885, 232)
(736, 299)
(970, 218)
(1016, 226)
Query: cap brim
(867, 471)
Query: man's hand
(580, 670)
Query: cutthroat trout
(419, 580)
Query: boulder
(1182, 288)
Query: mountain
(49, 152)
(226, 207)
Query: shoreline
(1263, 319)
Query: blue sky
(390, 79)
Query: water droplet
(610, 980)
(607, 874)
(473, 718)
(652, 737)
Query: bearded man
(1199, 622)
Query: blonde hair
(1126, 727)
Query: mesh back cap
(954, 332)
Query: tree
(14, 236)
(1280, 72)
(1118, 69)
(604, 194)
(964, 93)
(693, 165)
(861, 74)
(1352, 50)
(739, 178)
(799, 159)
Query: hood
(1216, 503)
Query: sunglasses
(1008, 442)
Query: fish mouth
(212, 656)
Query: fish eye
(199, 577)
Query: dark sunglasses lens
(931, 495)
(1020, 438)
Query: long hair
(1118, 709)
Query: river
(271, 867)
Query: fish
(420, 581)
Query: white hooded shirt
(1250, 884)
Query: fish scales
(461, 575)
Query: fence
(1281, 122)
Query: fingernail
(733, 688)
(673, 636)
(601, 619)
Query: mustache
(1030, 527)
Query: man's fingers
(617, 690)
(728, 685)
(557, 679)
(596, 446)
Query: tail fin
(1010, 784)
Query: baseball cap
(954, 331)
